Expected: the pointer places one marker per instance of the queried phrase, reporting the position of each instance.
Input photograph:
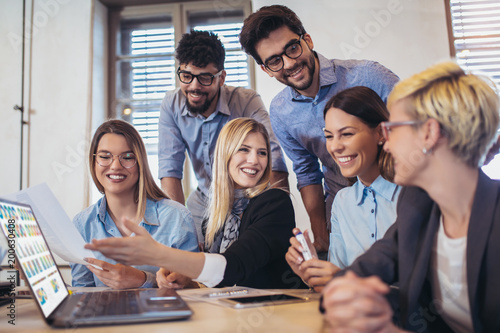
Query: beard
(309, 66)
(199, 109)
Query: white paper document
(61, 235)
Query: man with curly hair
(192, 116)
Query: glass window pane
(227, 26)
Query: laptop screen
(26, 241)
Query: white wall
(10, 93)
(68, 58)
(404, 35)
(59, 94)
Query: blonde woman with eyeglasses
(119, 167)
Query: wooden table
(299, 317)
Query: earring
(380, 143)
(425, 151)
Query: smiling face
(405, 145)
(248, 164)
(353, 145)
(115, 179)
(300, 73)
(202, 99)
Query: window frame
(180, 11)
(180, 14)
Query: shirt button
(205, 143)
(372, 210)
(315, 103)
(207, 163)
(373, 235)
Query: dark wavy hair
(201, 48)
(260, 24)
(366, 104)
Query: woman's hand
(167, 279)
(294, 255)
(317, 273)
(139, 249)
(117, 276)
(355, 304)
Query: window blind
(475, 26)
(148, 71)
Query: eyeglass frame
(297, 42)
(387, 125)
(212, 76)
(113, 158)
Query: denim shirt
(180, 130)
(167, 221)
(298, 120)
(360, 216)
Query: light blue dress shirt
(360, 216)
(180, 130)
(167, 221)
(298, 120)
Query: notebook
(58, 306)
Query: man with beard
(275, 37)
(192, 116)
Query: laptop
(58, 306)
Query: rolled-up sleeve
(171, 147)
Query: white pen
(306, 252)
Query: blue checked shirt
(180, 130)
(298, 120)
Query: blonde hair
(146, 187)
(465, 105)
(221, 198)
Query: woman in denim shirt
(120, 170)
(361, 213)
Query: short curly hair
(465, 105)
(201, 48)
(267, 19)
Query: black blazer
(257, 258)
(403, 257)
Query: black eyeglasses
(205, 79)
(292, 51)
(127, 160)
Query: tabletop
(297, 317)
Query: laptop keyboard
(108, 303)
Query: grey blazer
(403, 257)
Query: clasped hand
(355, 304)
